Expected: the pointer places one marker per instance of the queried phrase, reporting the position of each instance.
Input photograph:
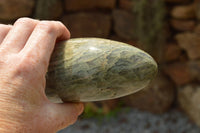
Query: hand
(25, 50)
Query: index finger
(41, 43)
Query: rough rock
(183, 25)
(184, 12)
(189, 100)
(48, 9)
(76, 5)
(156, 98)
(88, 24)
(179, 72)
(190, 42)
(124, 24)
(126, 4)
(172, 52)
(14, 9)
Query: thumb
(62, 115)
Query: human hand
(25, 50)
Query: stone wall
(178, 79)
(185, 69)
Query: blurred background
(167, 29)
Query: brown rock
(14, 9)
(190, 42)
(183, 25)
(76, 5)
(189, 100)
(156, 98)
(195, 69)
(197, 29)
(184, 12)
(172, 52)
(88, 24)
(126, 4)
(124, 24)
(179, 73)
(48, 9)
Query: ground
(135, 121)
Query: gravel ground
(136, 121)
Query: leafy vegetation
(97, 112)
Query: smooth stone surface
(94, 69)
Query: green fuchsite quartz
(94, 69)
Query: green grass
(100, 114)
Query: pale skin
(25, 51)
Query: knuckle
(22, 64)
(33, 64)
(24, 20)
(47, 26)
(59, 23)
(25, 65)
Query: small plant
(93, 111)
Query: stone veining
(93, 69)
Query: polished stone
(94, 69)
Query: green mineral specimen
(94, 69)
